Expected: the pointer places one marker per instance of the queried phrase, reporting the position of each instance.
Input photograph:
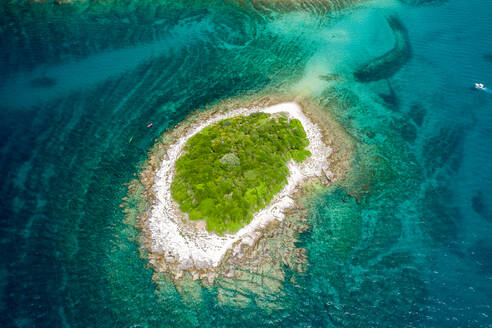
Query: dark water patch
(444, 150)
(480, 207)
(390, 98)
(440, 218)
(387, 65)
(417, 114)
(387, 232)
(481, 253)
(407, 129)
(487, 57)
(43, 82)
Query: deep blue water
(405, 244)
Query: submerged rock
(388, 64)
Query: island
(219, 195)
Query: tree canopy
(233, 168)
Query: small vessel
(149, 125)
(479, 86)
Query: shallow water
(405, 243)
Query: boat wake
(481, 87)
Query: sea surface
(407, 243)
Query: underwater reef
(388, 64)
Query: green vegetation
(233, 168)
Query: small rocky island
(221, 190)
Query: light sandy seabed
(186, 247)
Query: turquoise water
(403, 243)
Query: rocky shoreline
(265, 247)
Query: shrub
(234, 167)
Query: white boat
(479, 86)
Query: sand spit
(169, 238)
